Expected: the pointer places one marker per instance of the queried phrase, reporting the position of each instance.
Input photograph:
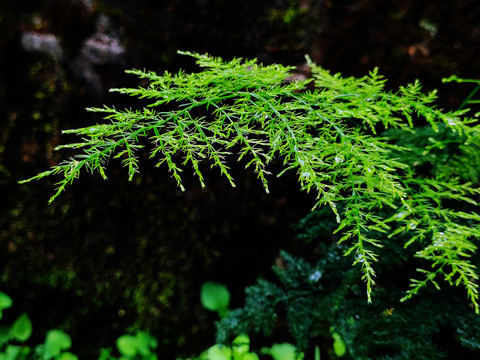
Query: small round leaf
(219, 352)
(127, 345)
(5, 301)
(284, 351)
(56, 341)
(22, 328)
(214, 297)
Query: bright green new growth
(327, 136)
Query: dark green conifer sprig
(327, 136)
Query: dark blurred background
(110, 257)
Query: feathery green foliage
(330, 136)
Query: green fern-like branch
(326, 136)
